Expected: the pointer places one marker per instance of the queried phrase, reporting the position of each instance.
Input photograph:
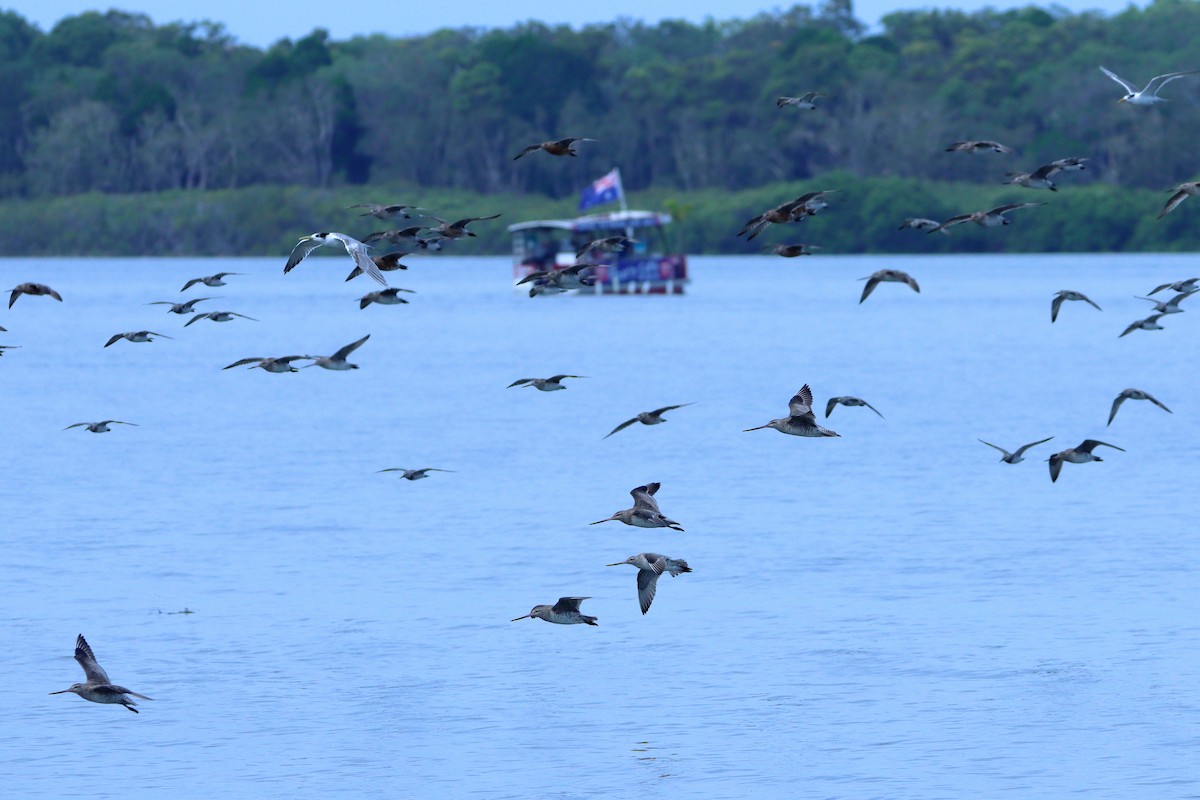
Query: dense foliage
(111, 103)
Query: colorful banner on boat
(603, 190)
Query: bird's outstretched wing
(83, 654)
(1128, 86)
(302, 249)
(345, 352)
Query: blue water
(890, 614)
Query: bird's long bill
(619, 563)
(524, 617)
(64, 691)
(1122, 100)
(597, 522)
(759, 428)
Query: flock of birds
(645, 512)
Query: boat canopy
(617, 220)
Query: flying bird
(806, 101)
(356, 250)
(1134, 394)
(922, 224)
(99, 427)
(1182, 192)
(1178, 286)
(33, 290)
(384, 297)
(1018, 455)
(564, 612)
(1149, 95)
(647, 418)
(1169, 306)
(1066, 294)
(458, 229)
(277, 365)
(645, 512)
(414, 474)
(181, 308)
(887, 276)
(98, 688)
(978, 146)
(650, 566)
(136, 336)
(1150, 323)
(387, 212)
(1077, 455)
(209, 280)
(848, 401)
(793, 250)
(387, 263)
(337, 361)
(218, 316)
(609, 244)
(561, 147)
(800, 420)
(991, 218)
(544, 384)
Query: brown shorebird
(98, 688)
(34, 290)
(992, 218)
(1182, 192)
(1146, 97)
(1018, 455)
(564, 612)
(209, 280)
(561, 147)
(564, 278)
(354, 248)
(650, 566)
(848, 401)
(645, 512)
(387, 212)
(404, 237)
(218, 316)
(99, 427)
(648, 418)
(609, 244)
(1077, 455)
(387, 263)
(458, 229)
(1178, 286)
(414, 474)
(181, 308)
(1134, 394)
(978, 146)
(793, 250)
(1067, 294)
(278, 365)
(338, 361)
(135, 336)
(1038, 179)
(384, 297)
(923, 224)
(792, 211)
(1168, 306)
(806, 101)
(1150, 323)
(544, 384)
(800, 421)
(887, 276)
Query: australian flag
(602, 190)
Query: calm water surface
(891, 614)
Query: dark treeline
(112, 103)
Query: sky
(263, 23)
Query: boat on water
(647, 266)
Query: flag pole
(620, 189)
